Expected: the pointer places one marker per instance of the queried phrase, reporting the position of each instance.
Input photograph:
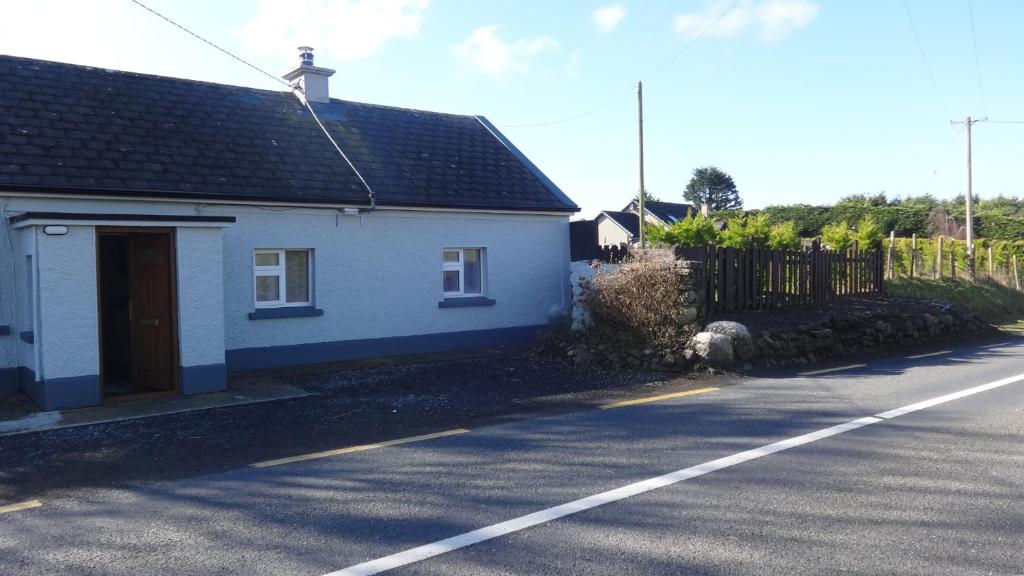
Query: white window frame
(460, 267)
(279, 271)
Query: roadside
(346, 408)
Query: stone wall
(902, 324)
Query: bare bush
(643, 302)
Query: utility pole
(970, 207)
(969, 202)
(640, 118)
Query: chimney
(705, 210)
(311, 79)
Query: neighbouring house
(615, 228)
(661, 213)
(623, 227)
(158, 234)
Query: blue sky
(800, 100)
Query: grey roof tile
(77, 127)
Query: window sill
(465, 302)
(27, 337)
(285, 312)
(5, 330)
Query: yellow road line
(20, 506)
(351, 449)
(831, 370)
(930, 354)
(656, 398)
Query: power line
(977, 63)
(1005, 121)
(296, 89)
(629, 90)
(205, 41)
(924, 57)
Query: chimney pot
(310, 79)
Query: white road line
(831, 370)
(523, 522)
(929, 355)
(29, 504)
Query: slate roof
(628, 220)
(76, 129)
(667, 212)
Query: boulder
(712, 348)
(739, 336)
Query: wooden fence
(756, 278)
(946, 259)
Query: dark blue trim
(61, 393)
(8, 382)
(322, 352)
(465, 302)
(5, 330)
(285, 312)
(204, 379)
(27, 337)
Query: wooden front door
(152, 311)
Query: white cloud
(336, 29)
(573, 66)
(485, 52)
(769, 20)
(608, 17)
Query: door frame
(172, 262)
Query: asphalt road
(936, 490)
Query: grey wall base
(8, 382)
(61, 393)
(204, 379)
(323, 352)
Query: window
(283, 278)
(462, 272)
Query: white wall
(376, 275)
(67, 325)
(609, 233)
(8, 261)
(24, 317)
(200, 296)
(379, 274)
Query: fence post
(913, 255)
(1016, 277)
(938, 260)
(892, 246)
(952, 260)
(991, 269)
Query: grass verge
(994, 303)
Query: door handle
(150, 321)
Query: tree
(746, 232)
(648, 197)
(711, 186)
(837, 236)
(869, 234)
(783, 236)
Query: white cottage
(159, 233)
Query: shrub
(690, 231)
(641, 303)
(750, 232)
(869, 234)
(837, 236)
(783, 236)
